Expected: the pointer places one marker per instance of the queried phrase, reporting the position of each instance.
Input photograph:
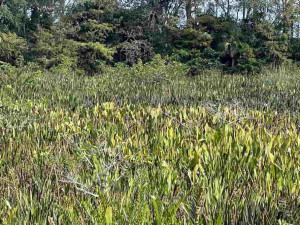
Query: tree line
(233, 35)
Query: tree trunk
(228, 8)
(244, 10)
(62, 7)
(255, 12)
(217, 4)
(2, 3)
(188, 9)
(284, 18)
(292, 29)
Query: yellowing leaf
(108, 215)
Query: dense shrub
(133, 51)
(12, 49)
(208, 59)
(91, 55)
(53, 49)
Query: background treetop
(235, 35)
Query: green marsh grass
(147, 145)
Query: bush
(4, 66)
(53, 49)
(12, 49)
(246, 60)
(135, 50)
(92, 55)
(208, 59)
(189, 38)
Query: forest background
(233, 35)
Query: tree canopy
(235, 35)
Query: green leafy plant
(12, 49)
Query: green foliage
(129, 31)
(193, 39)
(91, 55)
(24, 16)
(276, 48)
(188, 44)
(12, 49)
(93, 31)
(208, 59)
(89, 32)
(214, 43)
(6, 67)
(295, 49)
(132, 52)
(10, 17)
(241, 58)
(246, 60)
(53, 49)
